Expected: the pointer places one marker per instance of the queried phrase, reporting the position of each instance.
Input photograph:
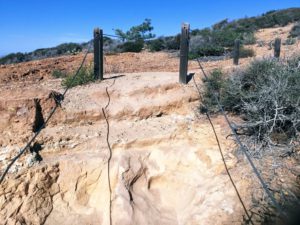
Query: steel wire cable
(110, 150)
(243, 148)
(111, 35)
(221, 153)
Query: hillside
(165, 168)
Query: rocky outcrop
(29, 198)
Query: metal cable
(222, 155)
(117, 36)
(110, 151)
(110, 35)
(108, 96)
(244, 149)
(108, 164)
(44, 125)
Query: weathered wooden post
(98, 54)
(236, 52)
(184, 52)
(277, 46)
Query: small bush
(225, 37)
(289, 41)
(249, 38)
(196, 42)
(164, 43)
(84, 76)
(132, 46)
(68, 48)
(14, 58)
(156, 45)
(213, 86)
(59, 74)
(172, 43)
(295, 32)
(208, 50)
(266, 94)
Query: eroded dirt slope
(165, 168)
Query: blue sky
(26, 25)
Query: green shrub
(266, 94)
(156, 45)
(214, 84)
(204, 33)
(68, 48)
(294, 61)
(225, 37)
(84, 76)
(208, 50)
(164, 43)
(196, 42)
(58, 74)
(249, 38)
(132, 46)
(270, 19)
(241, 84)
(172, 43)
(277, 18)
(295, 31)
(289, 41)
(224, 33)
(14, 58)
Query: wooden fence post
(277, 46)
(236, 52)
(184, 52)
(98, 54)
